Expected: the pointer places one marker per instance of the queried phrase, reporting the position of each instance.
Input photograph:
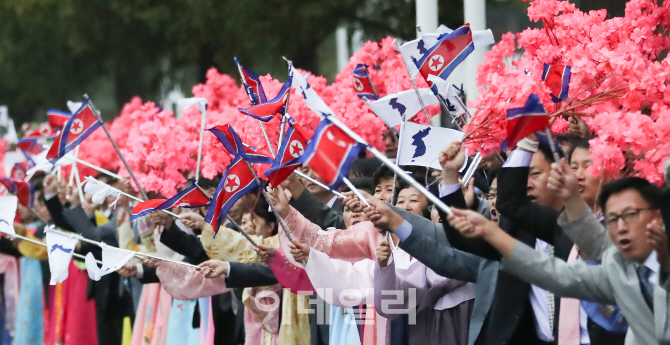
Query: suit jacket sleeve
(55, 208)
(183, 243)
(513, 204)
(445, 261)
(250, 275)
(317, 212)
(574, 280)
(587, 233)
(423, 225)
(82, 225)
(7, 247)
(475, 246)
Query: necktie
(568, 317)
(643, 274)
(550, 295)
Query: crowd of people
(532, 251)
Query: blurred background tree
(55, 50)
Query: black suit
(184, 244)
(110, 306)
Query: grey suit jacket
(588, 233)
(614, 281)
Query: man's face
(537, 181)
(630, 237)
(311, 187)
(384, 190)
(411, 200)
(589, 185)
(491, 200)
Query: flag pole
(411, 78)
(391, 165)
(288, 97)
(203, 123)
(355, 191)
(133, 197)
(104, 171)
(44, 245)
(116, 147)
(397, 157)
(318, 183)
(550, 137)
(279, 218)
(102, 244)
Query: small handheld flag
(60, 248)
(557, 79)
(24, 191)
(524, 121)
(252, 84)
(237, 181)
(292, 147)
(390, 108)
(112, 259)
(75, 130)
(233, 144)
(330, 152)
(8, 206)
(190, 197)
(276, 106)
(57, 118)
(363, 84)
(449, 51)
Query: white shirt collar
(652, 263)
(332, 201)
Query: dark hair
(38, 180)
(363, 183)
(262, 209)
(383, 172)
(578, 143)
(492, 175)
(548, 155)
(648, 191)
(206, 183)
(365, 167)
(104, 177)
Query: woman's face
(411, 200)
(351, 218)
(262, 227)
(247, 224)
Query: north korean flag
(233, 144)
(522, 122)
(449, 51)
(24, 191)
(144, 208)
(29, 141)
(330, 152)
(252, 84)
(276, 106)
(237, 181)
(75, 130)
(19, 171)
(292, 147)
(557, 79)
(57, 118)
(362, 83)
(190, 197)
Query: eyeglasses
(628, 217)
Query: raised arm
(513, 202)
(576, 280)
